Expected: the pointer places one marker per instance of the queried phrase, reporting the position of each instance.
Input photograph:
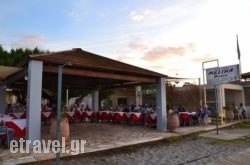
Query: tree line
(15, 56)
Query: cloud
(138, 46)
(140, 15)
(124, 58)
(71, 14)
(30, 41)
(202, 58)
(160, 52)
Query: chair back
(3, 130)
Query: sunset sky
(172, 37)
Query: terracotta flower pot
(172, 122)
(229, 115)
(64, 129)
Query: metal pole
(67, 98)
(204, 86)
(59, 111)
(217, 111)
(58, 132)
(200, 92)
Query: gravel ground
(189, 151)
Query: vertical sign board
(220, 75)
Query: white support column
(221, 97)
(3, 103)
(34, 95)
(138, 95)
(161, 105)
(95, 100)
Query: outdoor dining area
(112, 117)
(17, 121)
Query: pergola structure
(88, 71)
(245, 76)
(91, 71)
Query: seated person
(10, 133)
(87, 108)
(197, 115)
(9, 109)
(242, 110)
(203, 112)
(126, 109)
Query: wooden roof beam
(99, 74)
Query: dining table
(117, 116)
(186, 118)
(134, 116)
(70, 114)
(19, 125)
(151, 119)
(47, 115)
(5, 118)
(74, 116)
(104, 115)
(87, 116)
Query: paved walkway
(103, 136)
(241, 158)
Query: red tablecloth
(47, 115)
(70, 114)
(19, 125)
(184, 118)
(86, 114)
(151, 119)
(134, 117)
(104, 115)
(73, 116)
(117, 116)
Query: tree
(104, 97)
(171, 95)
(15, 56)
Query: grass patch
(244, 124)
(241, 125)
(239, 141)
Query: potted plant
(172, 121)
(229, 113)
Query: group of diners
(143, 114)
(196, 117)
(15, 108)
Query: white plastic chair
(240, 116)
(247, 113)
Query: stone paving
(103, 136)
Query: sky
(173, 37)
